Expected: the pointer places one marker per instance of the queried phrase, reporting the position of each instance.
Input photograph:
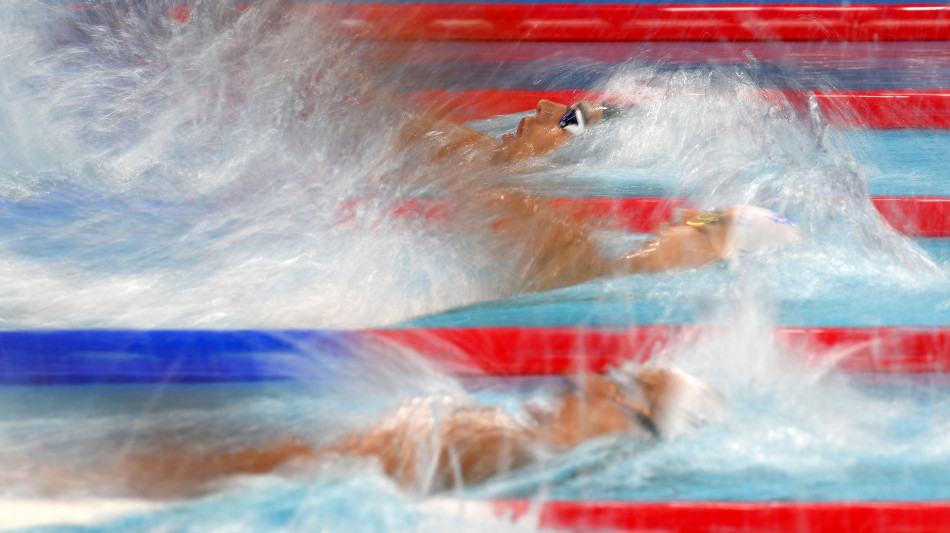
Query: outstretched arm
(180, 470)
(446, 138)
(470, 444)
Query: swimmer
(551, 127)
(554, 249)
(547, 247)
(698, 238)
(434, 444)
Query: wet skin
(474, 443)
(469, 444)
(556, 248)
(537, 135)
(678, 245)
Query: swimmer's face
(600, 406)
(537, 135)
(542, 133)
(614, 409)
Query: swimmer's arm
(180, 470)
(553, 248)
(652, 257)
(449, 138)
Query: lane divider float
(203, 356)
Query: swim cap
(687, 405)
(754, 228)
(682, 404)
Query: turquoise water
(157, 175)
(785, 439)
(895, 163)
(800, 291)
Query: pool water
(156, 175)
(792, 434)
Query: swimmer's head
(668, 402)
(551, 127)
(742, 229)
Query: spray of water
(233, 171)
(158, 175)
(240, 171)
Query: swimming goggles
(704, 219)
(573, 121)
(628, 385)
(637, 412)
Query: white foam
(461, 516)
(23, 513)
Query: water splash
(199, 175)
(158, 175)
